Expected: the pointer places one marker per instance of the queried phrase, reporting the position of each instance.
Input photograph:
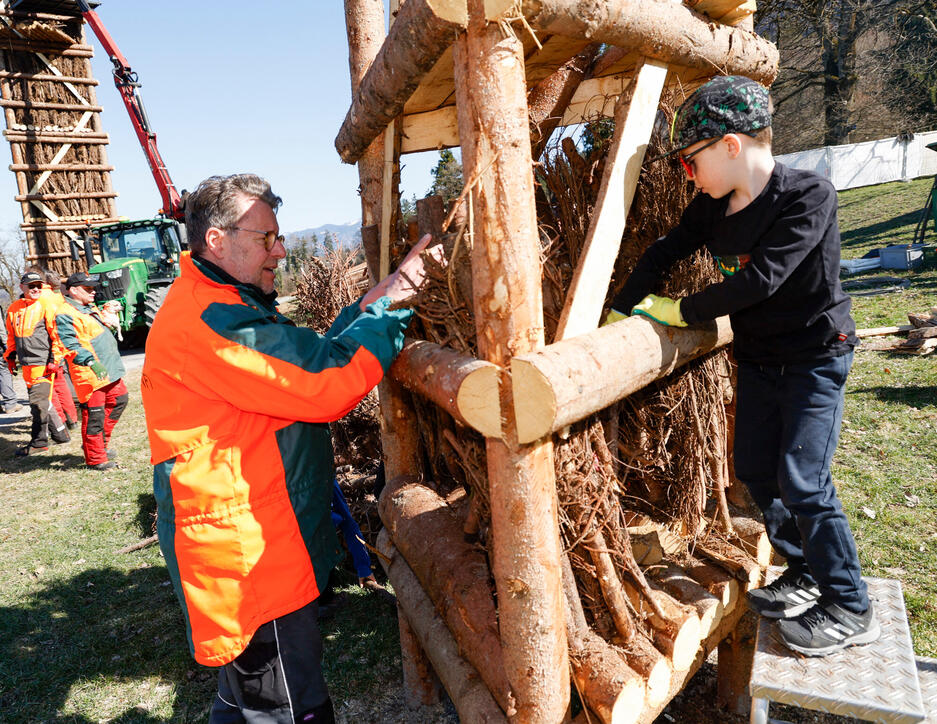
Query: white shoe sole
(866, 637)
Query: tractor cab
(138, 262)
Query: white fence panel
(868, 163)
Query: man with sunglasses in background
(774, 236)
(33, 345)
(238, 401)
(95, 367)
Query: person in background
(33, 345)
(95, 367)
(61, 394)
(8, 402)
(237, 401)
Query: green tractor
(139, 260)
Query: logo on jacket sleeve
(731, 265)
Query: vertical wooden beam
(493, 127)
(634, 122)
(734, 668)
(389, 187)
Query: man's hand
(11, 364)
(51, 370)
(409, 276)
(100, 371)
(662, 310)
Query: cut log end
(477, 400)
(534, 401)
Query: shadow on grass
(916, 396)
(863, 235)
(146, 514)
(102, 628)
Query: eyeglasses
(34, 285)
(687, 161)
(270, 237)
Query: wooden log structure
(514, 69)
(54, 130)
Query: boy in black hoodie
(774, 236)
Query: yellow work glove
(661, 309)
(614, 316)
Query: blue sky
(233, 86)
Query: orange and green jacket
(86, 341)
(31, 333)
(237, 402)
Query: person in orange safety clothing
(61, 394)
(237, 401)
(95, 367)
(34, 346)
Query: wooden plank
(60, 167)
(17, 75)
(883, 331)
(74, 140)
(40, 106)
(634, 123)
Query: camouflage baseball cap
(726, 104)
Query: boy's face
(705, 164)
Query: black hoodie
(784, 300)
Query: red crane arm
(128, 86)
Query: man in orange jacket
(33, 344)
(95, 367)
(237, 402)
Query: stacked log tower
(531, 569)
(54, 128)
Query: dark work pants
(786, 431)
(46, 421)
(278, 678)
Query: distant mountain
(347, 235)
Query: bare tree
(12, 262)
(839, 60)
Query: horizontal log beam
(469, 695)
(85, 140)
(26, 15)
(51, 77)
(51, 255)
(570, 380)
(659, 29)
(74, 51)
(68, 197)
(44, 106)
(418, 37)
(465, 387)
(60, 167)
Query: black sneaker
(789, 595)
(827, 628)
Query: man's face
(31, 290)
(243, 253)
(82, 294)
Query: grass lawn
(88, 634)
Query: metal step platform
(877, 682)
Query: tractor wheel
(154, 300)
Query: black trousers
(46, 422)
(278, 678)
(786, 429)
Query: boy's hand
(661, 309)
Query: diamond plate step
(877, 682)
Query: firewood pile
(921, 335)
(55, 133)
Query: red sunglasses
(687, 161)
